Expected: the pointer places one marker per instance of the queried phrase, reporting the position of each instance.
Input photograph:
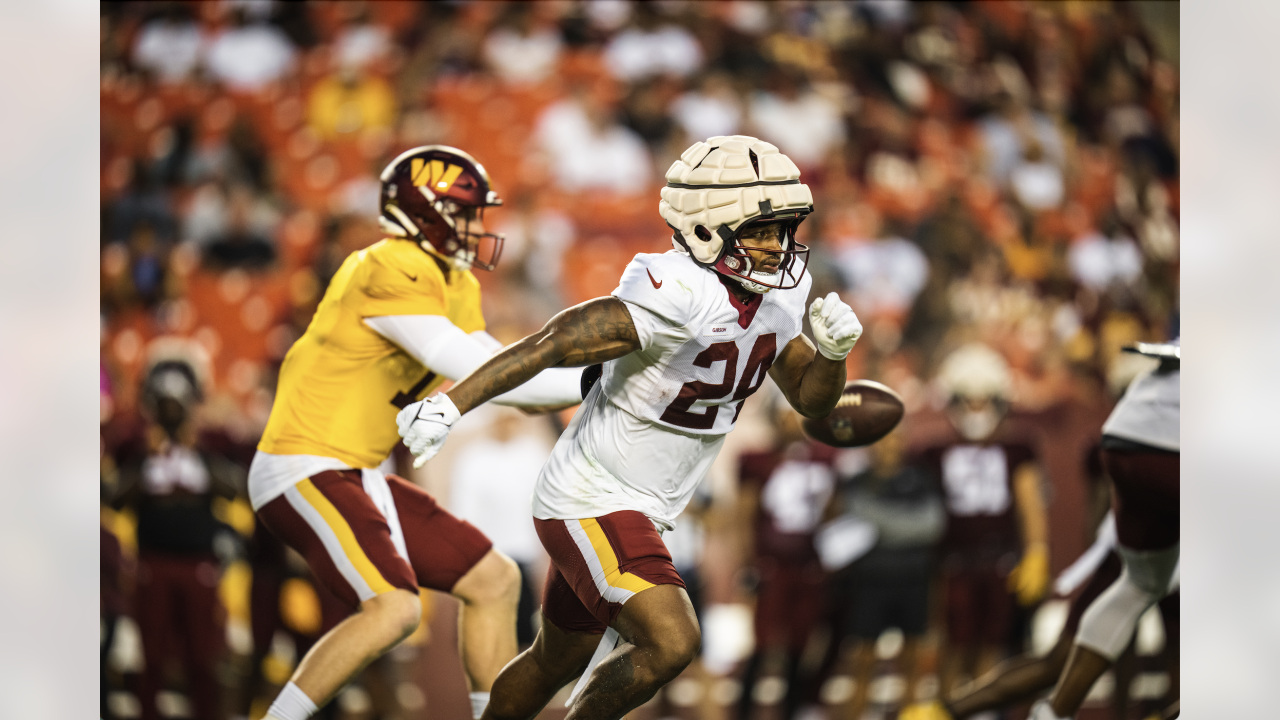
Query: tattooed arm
(586, 334)
(812, 378)
(809, 381)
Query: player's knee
(1151, 570)
(677, 649)
(398, 610)
(496, 580)
(510, 580)
(1109, 623)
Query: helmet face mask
(976, 419)
(467, 241)
(170, 392)
(978, 385)
(436, 195)
(729, 186)
(738, 261)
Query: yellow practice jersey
(342, 383)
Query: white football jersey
(649, 430)
(1149, 412)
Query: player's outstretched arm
(445, 350)
(812, 378)
(810, 382)
(593, 332)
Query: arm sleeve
(646, 323)
(446, 350)
(553, 386)
(487, 340)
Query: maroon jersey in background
(983, 541)
(977, 485)
(794, 486)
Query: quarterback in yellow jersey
(399, 318)
(342, 383)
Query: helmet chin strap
(407, 226)
(391, 228)
(461, 264)
(752, 286)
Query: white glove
(835, 327)
(424, 425)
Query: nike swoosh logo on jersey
(413, 278)
(656, 283)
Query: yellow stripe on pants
(609, 561)
(346, 538)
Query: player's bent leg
(490, 594)
(1014, 681)
(451, 555)
(1108, 625)
(383, 621)
(661, 637)
(1023, 678)
(527, 684)
(349, 545)
(615, 571)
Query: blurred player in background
(888, 587)
(995, 550)
(1141, 445)
(685, 338)
(1024, 678)
(398, 319)
(784, 493)
(170, 481)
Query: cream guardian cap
(719, 187)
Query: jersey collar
(746, 310)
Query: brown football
(866, 412)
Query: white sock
(479, 701)
(291, 704)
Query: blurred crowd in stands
(994, 172)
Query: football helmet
(978, 383)
(725, 187)
(436, 196)
(170, 391)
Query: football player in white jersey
(1141, 448)
(685, 338)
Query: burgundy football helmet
(436, 195)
